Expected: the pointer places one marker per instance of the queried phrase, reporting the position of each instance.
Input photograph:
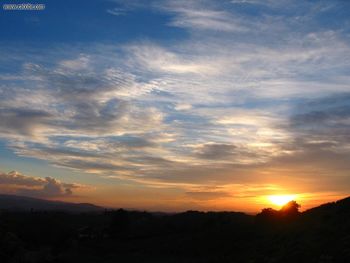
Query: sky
(177, 104)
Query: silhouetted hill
(14, 202)
(321, 234)
(340, 206)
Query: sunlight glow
(281, 200)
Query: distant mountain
(23, 203)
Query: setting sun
(281, 200)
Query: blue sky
(173, 105)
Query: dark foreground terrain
(321, 234)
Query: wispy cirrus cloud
(192, 17)
(117, 11)
(84, 124)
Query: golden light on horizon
(281, 200)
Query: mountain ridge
(23, 203)
(19, 202)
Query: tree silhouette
(270, 215)
(290, 209)
(286, 235)
(120, 224)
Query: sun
(280, 200)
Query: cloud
(71, 99)
(237, 99)
(324, 120)
(16, 183)
(23, 121)
(214, 151)
(208, 195)
(315, 156)
(190, 14)
(181, 107)
(156, 58)
(117, 11)
(197, 18)
(270, 3)
(80, 63)
(245, 2)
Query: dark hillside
(321, 234)
(23, 203)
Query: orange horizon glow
(281, 200)
(145, 200)
(248, 198)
